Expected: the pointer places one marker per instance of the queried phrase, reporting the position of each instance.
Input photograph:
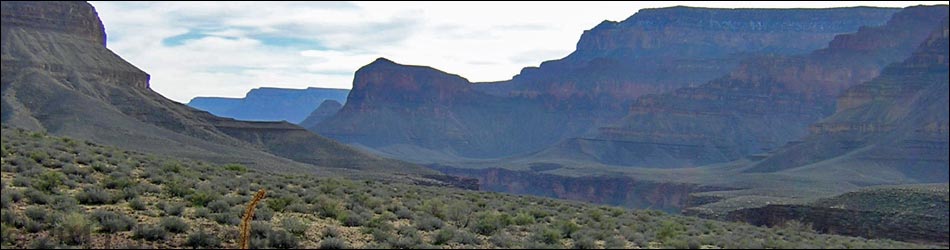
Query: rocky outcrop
(762, 104)
(896, 123)
(866, 224)
(617, 191)
(75, 26)
(906, 213)
(326, 109)
(59, 77)
(74, 19)
(270, 104)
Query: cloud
(227, 48)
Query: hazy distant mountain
(270, 104)
(59, 77)
(325, 110)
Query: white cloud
(226, 48)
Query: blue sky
(227, 48)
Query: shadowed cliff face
(895, 124)
(59, 77)
(326, 109)
(759, 106)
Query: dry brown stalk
(246, 221)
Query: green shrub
(523, 219)
(567, 227)
(584, 242)
(149, 232)
(37, 214)
(355, 219)
(201, 239)
(615, 243)
(32, 226)
(668, 230)
(174, 225)
(202, 213)
(94, 196)
(502, 239)
(435, 208)
(329, 208)
(202, 198)
(219, 206)
(75, 229)
(278, 204)
(236, 168)
(7, 236)
(280, 239)
(331, 232)
(467, 238)
(36, 197)
(404, 214)
(39, 156)
(443, 236)
(173, 209)
(117, 182)
(226, 218)
(294, 226)
(332, 243)
(110, 222)
(49, 181)
(44, 242)
(137, 204)
(547, 236)
(429, 224)
(5, 200)
(263, 214)
(178, 189)
(488, 223)
(298, 208)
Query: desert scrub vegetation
(65, 193)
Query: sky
(226, 49)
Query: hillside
(62, 192)
(60, 78)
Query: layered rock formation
(326, 109)
(433, 114)
(270, 104)
(653, 51)
(59, 77)
(895, 125)
(759, 106)
(657, 50)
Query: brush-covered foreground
(64, 193)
